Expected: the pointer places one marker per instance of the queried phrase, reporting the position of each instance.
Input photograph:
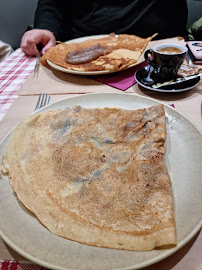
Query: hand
(33, 37)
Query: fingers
(31, 47)
(48, 44)
(33, 37)
(28, 43)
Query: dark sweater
(77, 18)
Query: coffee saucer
(179, 86)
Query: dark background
(16, 15)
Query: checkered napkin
(15, 265)
(14, 70)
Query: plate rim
(149, 262)
(164, 90)
(102, 72)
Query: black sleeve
(52, 15)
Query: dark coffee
(169, 50)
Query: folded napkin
(5, 50)
(121, 80)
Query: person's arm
(49, 15)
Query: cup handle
(147, 55)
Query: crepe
(123, 51)
(96, 176)
(187, 70)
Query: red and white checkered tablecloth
(15, 265)
(14, 70)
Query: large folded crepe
(123, 51)
(96, 176)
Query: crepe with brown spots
(122, 51)
(96, 176)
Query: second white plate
(25, 234)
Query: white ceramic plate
(25, 234)
(79, 40)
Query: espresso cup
(166, 60)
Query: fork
(42, 101)
(36, 69)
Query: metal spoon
(148, 80)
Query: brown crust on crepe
(123, 51)
(187, 70)
(96, 176)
